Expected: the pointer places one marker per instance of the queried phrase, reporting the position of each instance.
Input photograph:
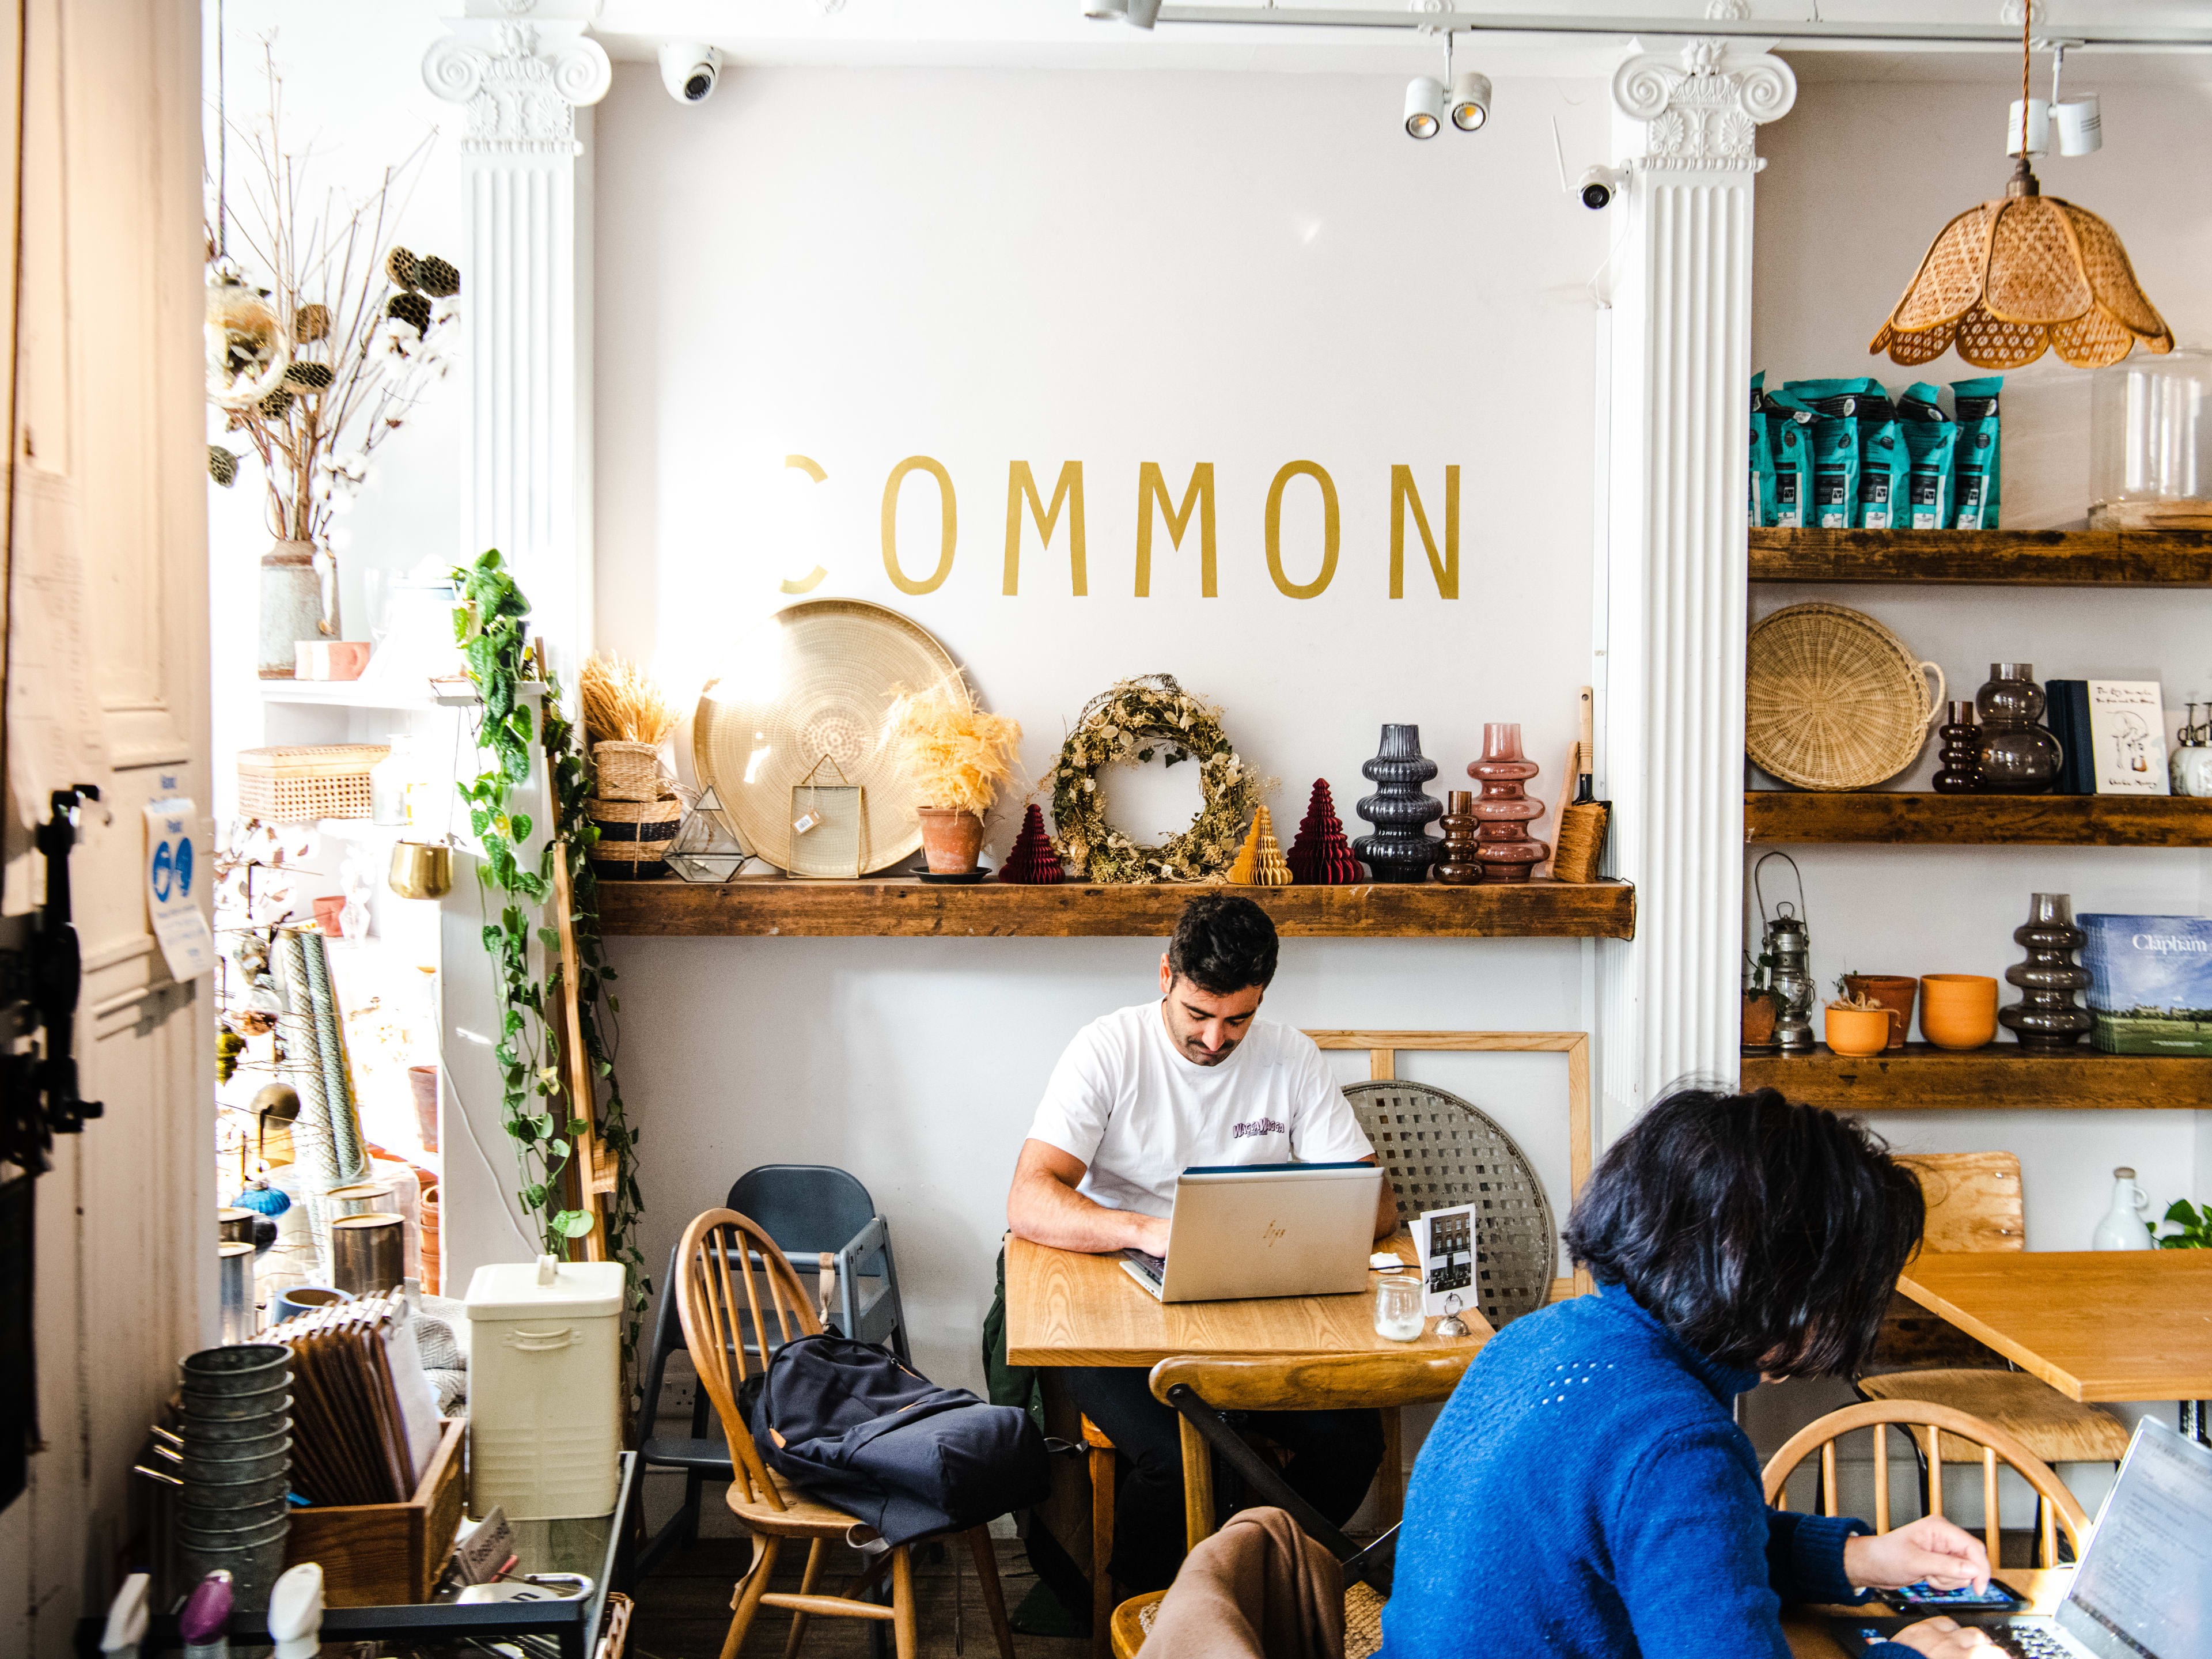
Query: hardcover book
(2127, 738)
(2150, 983)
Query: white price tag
(173, 876)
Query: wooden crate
(385, 1555)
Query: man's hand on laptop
(1942, 1637)
(1151, 1235)
(1044, 1206)
(1931, 1548)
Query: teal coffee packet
(1931, 438)
(1835, 471)
(1976, 463)
(1885, 476)
(1762, 456)
(1789, 443)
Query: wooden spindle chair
(739, 1301)
(1933, 1427)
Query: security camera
(1598, 186)
(690, 70)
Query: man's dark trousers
(1333, 1457)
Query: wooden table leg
(1102, 1539)
(1390, 1489)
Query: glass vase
(2046, 1016)
(2017, 757)
(1503, 847)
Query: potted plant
(2195, 1225)
(1762, 1003)
(959, 756)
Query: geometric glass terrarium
(706, 848)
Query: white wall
(984, 267)
(1862, 175)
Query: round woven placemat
(1439, 1151)
(1832, 700)
(814, 683)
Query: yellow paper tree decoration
(1260, 862)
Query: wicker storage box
(309, 780)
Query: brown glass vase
(2017, 757)
(1456, 863)
(1504, 846)
(2046, 1016)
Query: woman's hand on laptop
(1931, 1548)
(1942, 1637)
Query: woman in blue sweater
(1586, 1494)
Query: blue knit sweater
(1587, 1495)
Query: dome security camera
(1598, 186)
(689, 69)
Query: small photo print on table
(1445, 1242)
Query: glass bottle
(2017, 756)
(388, 780)
(2124, 1227)
(1962, 752)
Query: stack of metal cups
(237, 1466)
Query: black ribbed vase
(1401, 849)
(2046, 1016)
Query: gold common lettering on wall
(1026, 505)
(813, 579)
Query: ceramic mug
(1958, 1011)
(1858, 1032)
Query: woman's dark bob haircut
(1765, 1235)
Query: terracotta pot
(1757, 1020)
(1891, 991)
(1857, 1032)
(1958, 1011)
(951, 840)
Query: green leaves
(2196, 1227)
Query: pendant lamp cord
(2027, 20)
(222, 143)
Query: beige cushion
(2056, 1429)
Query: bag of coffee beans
(1931, 437)
(1976, 465)
(1762, 457)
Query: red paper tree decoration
(1321, 856)
(1031, 859)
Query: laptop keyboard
(2029, 1641)
(1154, 1268)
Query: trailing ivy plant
(540, 1116)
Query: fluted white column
(527, 74)
(1675, 561)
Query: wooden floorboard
(684, 1608)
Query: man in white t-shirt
(1140, 1095)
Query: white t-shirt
(1138, 1113)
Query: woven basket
(1832, 700)
(633, 836)
(628, 771)
(300, 782)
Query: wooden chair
(1202, 1386)
(1974, 1203)
(1935, 1427)
(724, 1263)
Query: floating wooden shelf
(1920, 1077)
(2028, 558)
(764, 907)
(1905, 818)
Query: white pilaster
(1675, 561)
(527, 74)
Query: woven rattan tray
(1439, 1153)
(1832, 700)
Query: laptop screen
(2144, 1587)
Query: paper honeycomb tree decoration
(1031, 860)
(1321, 856)
(1259, 862)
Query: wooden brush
(1582, 820)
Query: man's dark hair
(1222, 943)
(1766, 1235)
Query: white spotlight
(1470, 101)
(2039, 127)
(1144, 12)
(2081, 126)
(1424, 107)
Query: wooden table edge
(2025, 1357)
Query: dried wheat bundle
(959, 755)
(622, 704)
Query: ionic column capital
(1701, 106)
(520, 72)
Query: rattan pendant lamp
(2007, 279)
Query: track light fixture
(1424, 107)
(1470, 101)
(1143, 13)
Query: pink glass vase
(1504, 846)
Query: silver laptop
(2144, 1587)
(1247, 1230)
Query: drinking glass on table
(1398, 1307)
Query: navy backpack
(845, 1422)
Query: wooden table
(2044, 1587)
(1068, 1308)
(2097, 1325)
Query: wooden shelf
(1920, 1077)
(2027, 558)
(1902, 817)
(774, 907)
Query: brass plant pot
(420, 872)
